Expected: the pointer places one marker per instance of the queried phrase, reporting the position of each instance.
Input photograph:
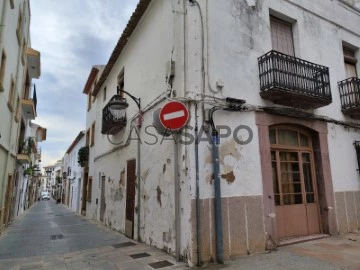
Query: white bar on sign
(174, 115)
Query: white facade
(235, 34)
(19, 64)
(72, 173)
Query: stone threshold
(301, 239)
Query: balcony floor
(294, 99)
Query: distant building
(71, 177)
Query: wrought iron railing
(110, 121)
(289, 73)
(349, 93)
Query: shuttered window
(282, 36)
(350, 62)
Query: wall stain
(158, 190)
(164, 168)
(146, 174)
(167, 236)
(229, 177)
(122, 178)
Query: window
(2, 70)
(89, 189)
(11, 95)
(282, 36)
(104, 93)
(17, 111)
(87, 140)
(121, 82)
(350, 62)
(23, 53)
(94, 85)
(12, 4)
(19, 27)
(89, 101)
(92, 134)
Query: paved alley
(49, 236)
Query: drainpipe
(139, 172)
(198, 224)
(177, 196)
(217, 186)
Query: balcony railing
(350, 96)
(110, 123)
(291, 81)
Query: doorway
(102, 199)
(130, 198)
(84, 193)
(294, 182)
(8, 198)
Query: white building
(287, 163)
(53, 176)
(72, 173)
(19, 64)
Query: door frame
(323, 172)
(285, 216)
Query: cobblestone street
(49, 236)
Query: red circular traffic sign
(174, 115)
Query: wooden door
(294, 183)
(130, 198)
(102, 199)
(8, 199)
(84, 193)
(68, 193)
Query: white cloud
(72, 35)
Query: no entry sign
(174, 115)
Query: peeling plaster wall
(145, 71)
(319, 29)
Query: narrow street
(49, 236)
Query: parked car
(45, 196)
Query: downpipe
(217, 186)
(198, 224)
(177, 196)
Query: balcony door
(350, 63)
(294, 182)
(282, 36)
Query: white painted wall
(232, 59)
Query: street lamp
(117, 104)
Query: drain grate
(160, 264)
(57, 237)
(59, 215)
(125, 244)
(140, 255)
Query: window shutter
(281, 36)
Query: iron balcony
(350, 97)
(291, 81)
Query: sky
(72, 36)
